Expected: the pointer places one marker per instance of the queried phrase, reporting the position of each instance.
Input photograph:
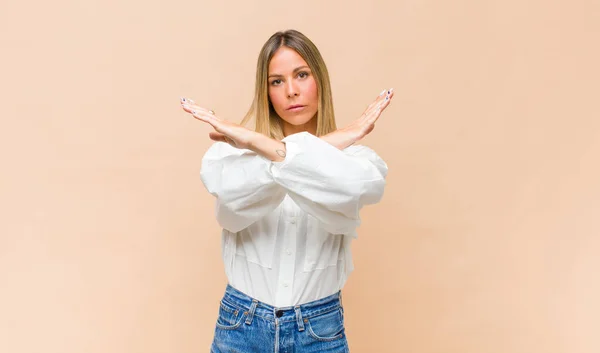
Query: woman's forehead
(285, 60)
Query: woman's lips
(296, 109)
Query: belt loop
(299, 318)
(341, 302)
(251, 313)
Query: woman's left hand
(225, 131)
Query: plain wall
(487, 237)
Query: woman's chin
(297, 120)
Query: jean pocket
(328, 326)
(230, 317)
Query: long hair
(267, 120)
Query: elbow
(371, 192)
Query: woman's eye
(303, 73)
(275, 82)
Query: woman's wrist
(341, 138)
(267, 147)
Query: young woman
(288, 196)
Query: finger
(386, 101)
(378, 99)
(189, 107)
(186, 100)
(381, 98)
(384, 94)
(217, 136)
(200, 115)
(205, 112)
(371, 118)
(214, 135)
(386, 97)
(187, 104)
(206, 117)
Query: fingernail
(382, 92)
(193, 112)
(386, 98)
(182, 99)
(391, 90)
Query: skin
(293, 84)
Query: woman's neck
(310, 126)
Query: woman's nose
(292, 90)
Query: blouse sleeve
(330, 184)
(242, 183)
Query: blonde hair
(267, 121)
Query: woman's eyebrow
(296, 69)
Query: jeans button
(279, 313)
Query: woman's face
(293, 91)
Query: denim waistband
(254, 307)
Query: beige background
(485, 241)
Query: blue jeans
(247, 325)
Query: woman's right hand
(225, 131)
(360, 128)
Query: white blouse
(288, 226)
